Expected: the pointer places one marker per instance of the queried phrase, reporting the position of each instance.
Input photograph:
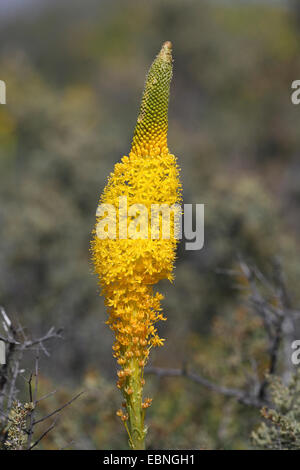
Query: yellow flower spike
(129, 267)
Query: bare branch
(46, 396)
(44, 434)
(33, 400)
(241, 395)
(58, 409)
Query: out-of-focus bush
(74, 77)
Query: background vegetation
(74, 73)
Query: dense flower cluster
(128, 268)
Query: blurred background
(74, 73)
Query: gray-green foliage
(280, 428)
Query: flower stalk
(129, 267)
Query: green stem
(134, 407)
